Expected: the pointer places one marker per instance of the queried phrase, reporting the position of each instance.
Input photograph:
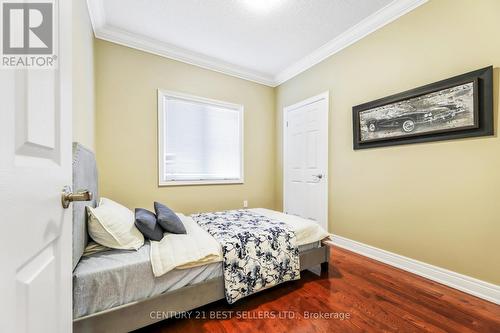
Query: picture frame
(458, 107)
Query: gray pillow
(145, 221)
(168, 220)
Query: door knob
(67, 196)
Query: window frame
(162, 94)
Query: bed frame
(135, 315)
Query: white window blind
(200, 140)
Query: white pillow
(112, 225)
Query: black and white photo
(443, 110)
(457, 107)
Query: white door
(35, 164)
(305, 162)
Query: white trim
(236, 107)
(372, 23)
(189, 97)
(96, 13)
(310, 100)
(166, 50)
(323, 96)
(377, 20)
(143, 43)
(467, 284)
(200, 182)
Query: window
(200, 140)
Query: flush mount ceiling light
(261, 5)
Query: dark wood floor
(376, 296)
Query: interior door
(306, 159)
(35, 164)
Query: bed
(116, 290)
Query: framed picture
(457, 107)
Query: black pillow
(168, 220)
(145, 221)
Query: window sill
(200, 182)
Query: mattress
(108, 279)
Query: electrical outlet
(245, 203)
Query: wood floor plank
(356, 287)
(378, 298)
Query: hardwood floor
(375, 296)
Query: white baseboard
(467, 284)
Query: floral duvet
(258, 252)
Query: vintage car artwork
(409, 121)
(440, 111)
(457, 107)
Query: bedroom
(388, 211)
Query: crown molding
(96, 13)
(146, 44)
(163, 49)
(384, 16)
(372, 23)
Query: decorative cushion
(145, 221)
(112, 225)
(168, 220)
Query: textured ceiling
(265, 38)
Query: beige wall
(127, 82)
(83, 76)
(435, 202)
